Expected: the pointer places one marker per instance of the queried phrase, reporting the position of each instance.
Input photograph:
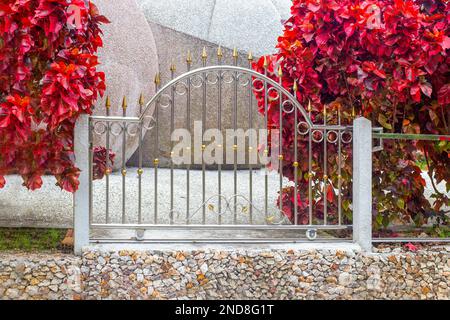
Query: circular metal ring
(287, 103)
(303, 128)
(140, 233)
(311, 234)
(116, 129)
(315, 133)
(330, 134)
(277, 93)
(212, 78)
(130, 127)
(243, 79)
(100, 127)
(164, 100)
(181, 85)
(258, 85)
(151, 122)
(350, 136)
(227, 77)
(196, 81)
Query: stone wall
(227, 274)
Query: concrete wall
(228, 274)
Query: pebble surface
(215, 274)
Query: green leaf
(401, 203)
(345, 204)
(379, 219)
(383, 121)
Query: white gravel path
(51, 207)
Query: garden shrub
(48, 77)
(386, 60)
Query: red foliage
(48, 77)
(386, 60)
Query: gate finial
(189, 57)
(280, 72)
(219, 53)
(204, 54)
(250, 56)
(157, 79)
(266, 63)
(141, 100)
(107, 103)
(295, 86)
(173, 68)
(124, 103)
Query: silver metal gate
(236, 201)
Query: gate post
(81, 145)
(362, 183)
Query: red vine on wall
(386, 60)
(48, 77)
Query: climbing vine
(386, 60)
(48, 77)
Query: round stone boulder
(130, 62)
(250, 25)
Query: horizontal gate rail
(406, 136)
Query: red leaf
(330, 193)
(33, 182)
(426, 89)
(2, 182)
(411, 247)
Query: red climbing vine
(48, 77)
(386, 60)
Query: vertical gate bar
(140, 170)
(339, 169)
(188, 127)
(295, 157)
(250, 126)
(108, 169)
(325, 167)
(219, 127)
(204, 57)
(310, 198)
(235, 92)
(266, 151)
(280, 76)
(156, 160)
(172, 128)
(124, 170)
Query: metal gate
(291, 187)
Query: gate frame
(362, 163)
